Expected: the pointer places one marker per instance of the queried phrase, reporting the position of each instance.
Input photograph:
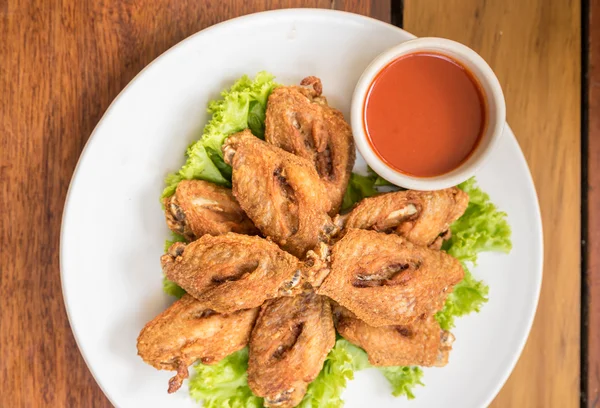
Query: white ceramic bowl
(495, 105)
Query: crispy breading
(199, 207)
(189, 331)
(231, 272)
(288, 346)
(421, 343)
(280, 192)
(316, 265)
(299, 120)
(423, 217)
(386, 280)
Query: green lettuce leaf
(256, 119)
(175, 237)
(379, 181)
(217, 159)
(403, 380)
(359, 187)
(241, 106)
(468, 296)
(339, 367)
(171, 288)
(225, 384)
(481, 228)
(198, 166)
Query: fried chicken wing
(421, 343)
(199, 207)
(231, 272)
(189, 331)
(423, 217)
(280, 192)
(299, 120)
(317, 265)
(386, 280)
(288, 346)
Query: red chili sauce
(424, 114)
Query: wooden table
(63, 62)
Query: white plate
(113, 227)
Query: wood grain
(534, 48)
(592, 319)
(61, 64)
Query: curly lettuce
(241, 106)
(468, 296)
(403, 380)
(169, 287)
(175, 237)
(481, 228)
(339, 367)
(225, 384)
(198, 166)
(173, 289)
(358, 188)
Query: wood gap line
(397, 13)
(585, 49)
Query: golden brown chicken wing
(423, 217)
(199, 207)
(421, 343)
(231, 272)
(288, 346)
(299, 121)
(280, 192)
(385, 280)
(189, 331)
(317, 265)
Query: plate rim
(289, 12)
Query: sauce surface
(424, 114)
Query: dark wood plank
(592, 308)
(379, 9)
(61, 64)
(534, 47)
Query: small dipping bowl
(494, 110)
